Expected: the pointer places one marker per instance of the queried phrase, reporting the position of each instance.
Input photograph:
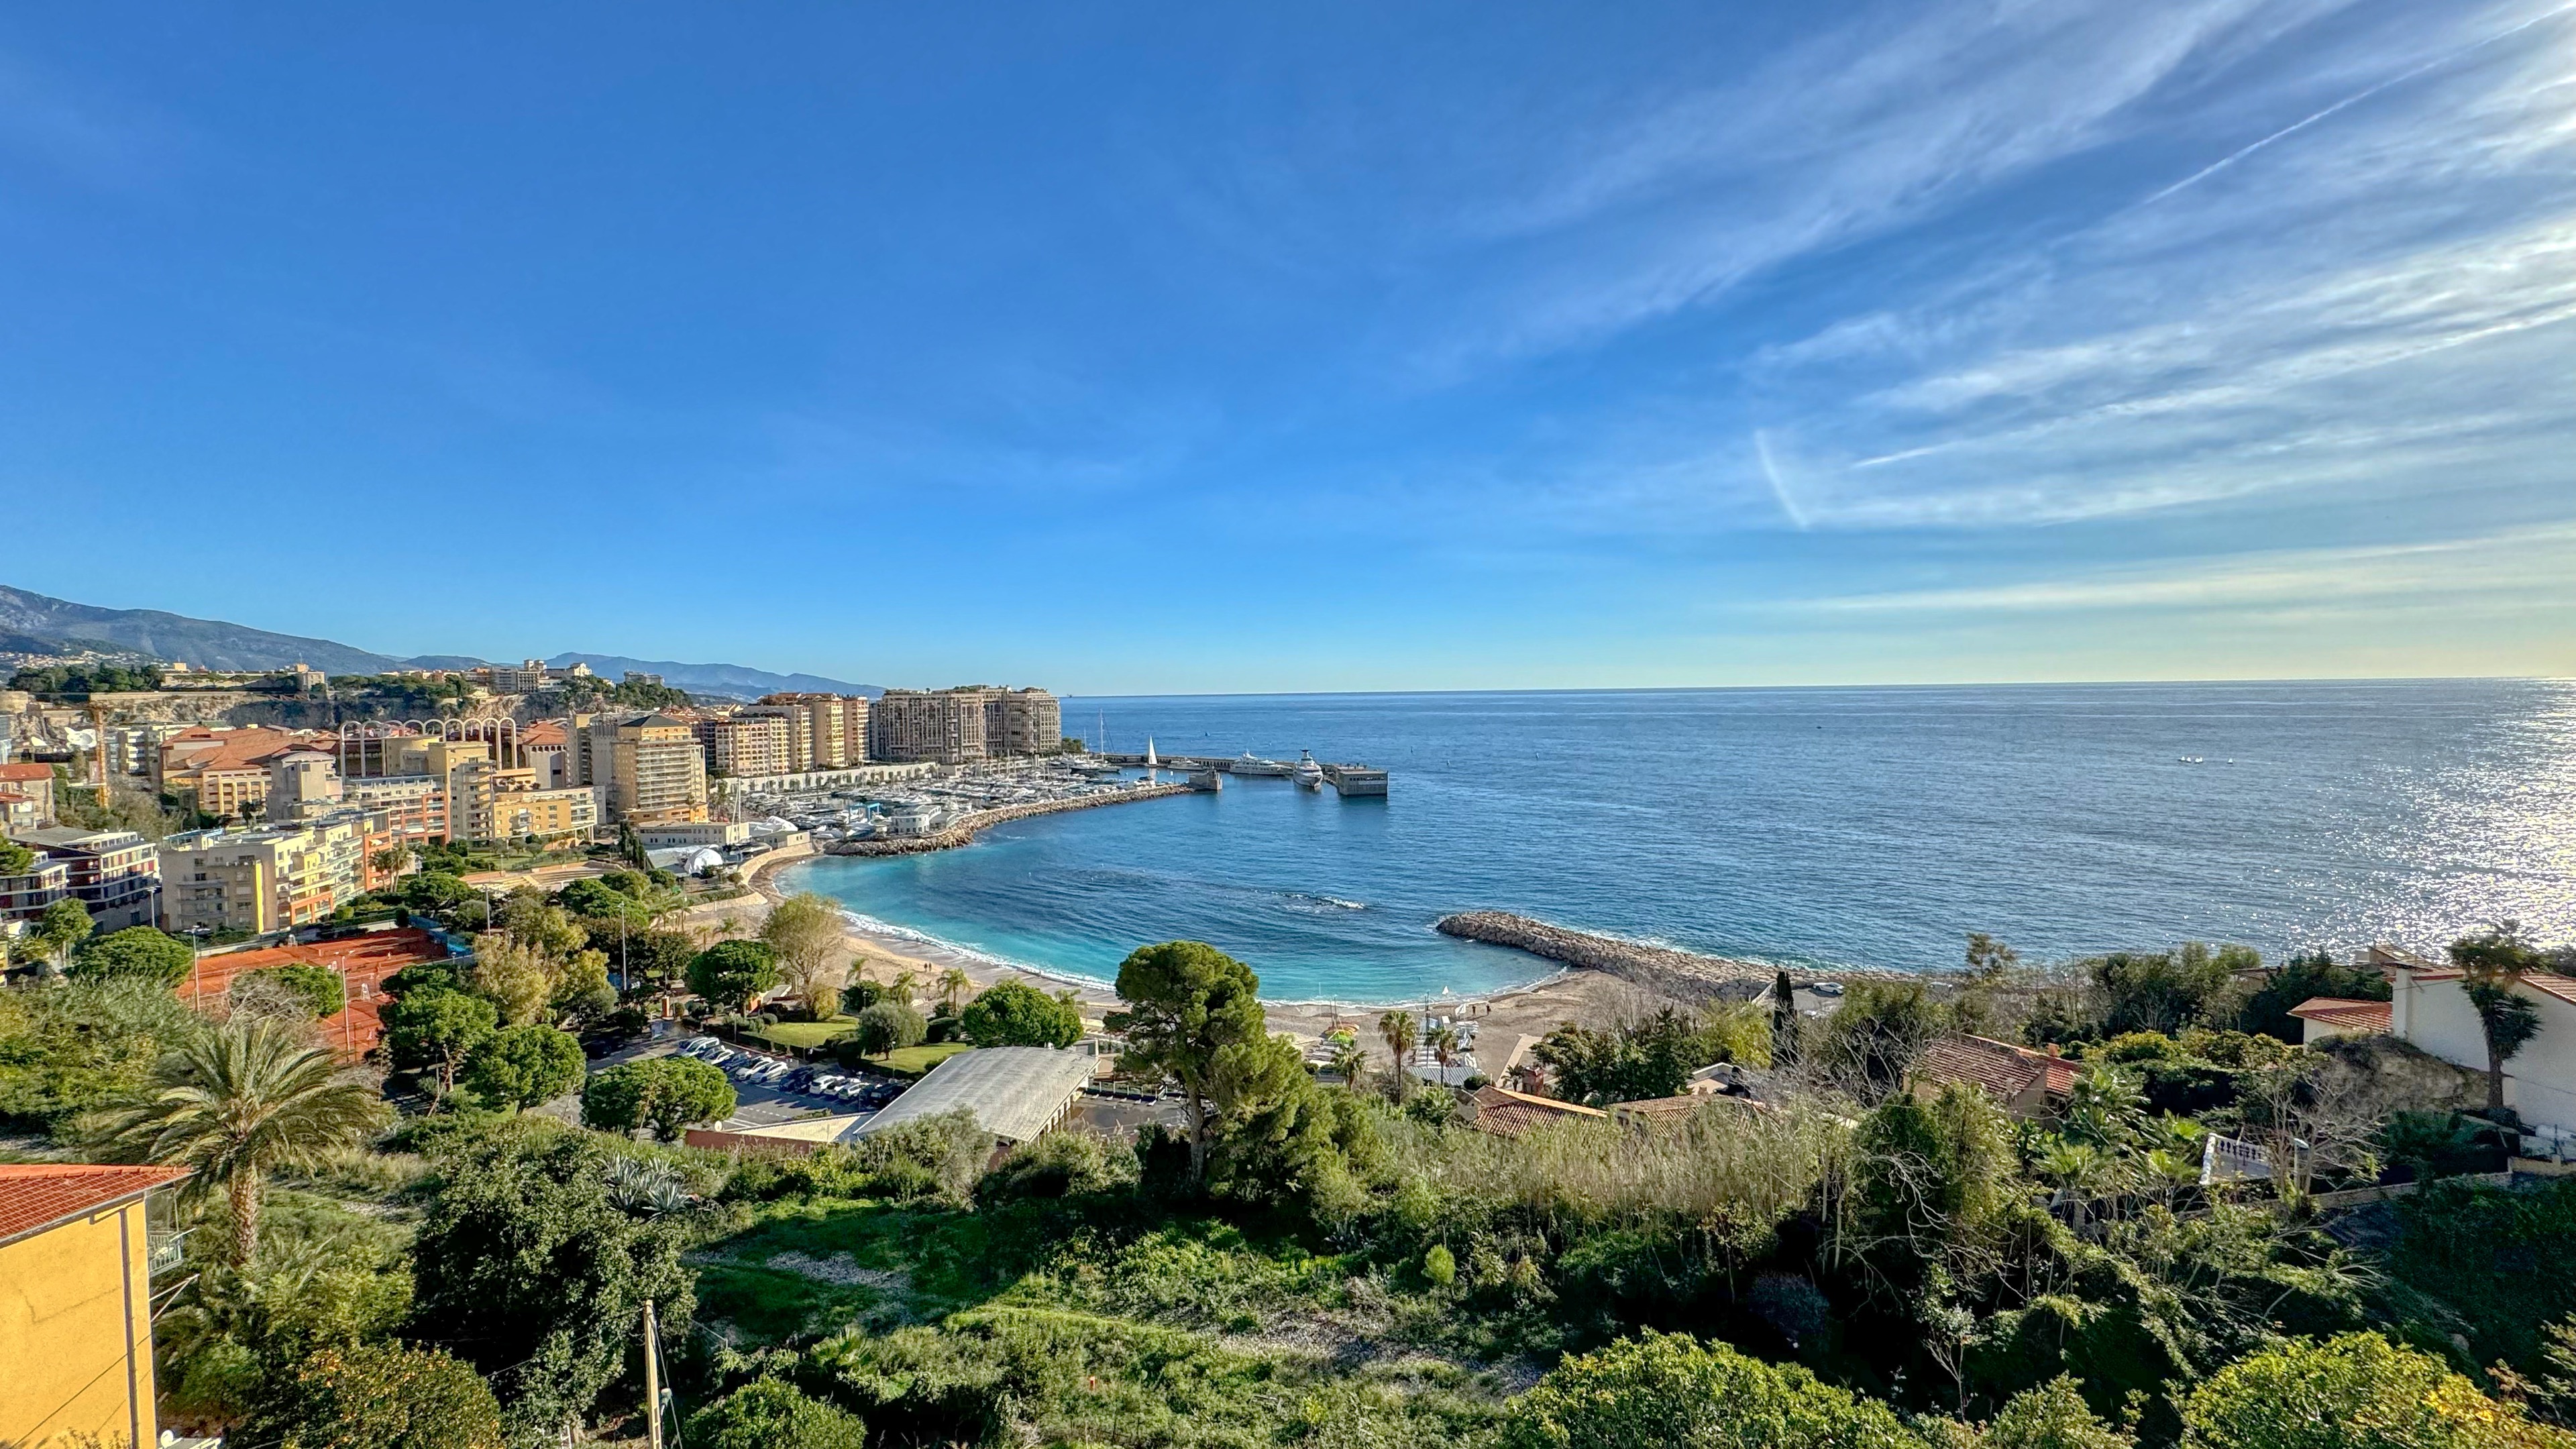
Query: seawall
(1683, 974)
(965, 831)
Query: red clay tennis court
(363, 962)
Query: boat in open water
(1249, 763)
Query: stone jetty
(1681, 974)
(965, 830)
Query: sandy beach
(1503, 1018)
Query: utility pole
(98, 732)
(652, 1379)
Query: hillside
(38, 622)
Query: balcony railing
(165, 1251)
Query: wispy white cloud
(2379, 300)
(2533, 567)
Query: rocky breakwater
(1682, 974)
(965, 830)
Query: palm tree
(1351, 1062)
(247, 1099)
(1396, 1029)
(953, 983)
(2492, 965)
(900, 989)
(1444, 1048)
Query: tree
(64, 924)
(953, 983)
(15, 859)
(804, 933)
(316, 990)
(1784, 1020)
(1667, 1391)
(1014, 1013)
(2492, 965)
(1989, 962)
(381, 1396)
(137, 952)
(888, 1026)
(2165, 991)
(733, 974)
(518, 978)
(521, 1066)
(238, 1104)
(1398, 1031)
(527, 1266)
(1187, 1004)
(437, 1029)
(2303, 976)
(1444, 1049)
(1646, 1058)
(2358, 1391)
(663, 1093)
(1871, 1041)
(437, 892)
(770, 1414)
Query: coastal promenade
(965, 830)
(1662, 969)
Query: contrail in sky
(1779, 490)
(2223, 162)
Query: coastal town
(524, 891)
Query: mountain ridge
(221, 644)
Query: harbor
(940, 808)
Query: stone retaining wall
(1657, 968)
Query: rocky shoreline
(1681, 974)
(965, 831)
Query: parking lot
(771, 1090)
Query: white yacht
(1309, 775)
(1249, 763)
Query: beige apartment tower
(653, 767)
(958, 726)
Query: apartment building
(527, 678)
(24, 897)
(651, 765)
(414, 806)
(827, 731)
(1023, 722)
(943, 726)
(487, 802)
(754, 741)
(115, 874)
(301, 785)
(271, 877)
(968, 723)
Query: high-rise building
(652, 766)
(748, 744)
(826, 731)
(970, 722)
(1023, 722)
(943, 726)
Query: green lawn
(808, 1033)
(915, 1060)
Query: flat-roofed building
(115, 874)
(414, 806)
(1023, 722)
(301, 785)
(1015, 1093)
(270, 878)
(654, 768)
(692, 834)
(941, 726)
(26, 895)
(749, 744)
(829, 731)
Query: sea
(1820, 828)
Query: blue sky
(1177, 348)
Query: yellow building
(76, 1258)
(652, 766)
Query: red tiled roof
(1507, 1113)
(2000, 1067)
(2547, 983)
(35, 1196)
(27, 770)
(2346, 1013)
(365, 960)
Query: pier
(1349, 779)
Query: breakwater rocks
(1657, 968)
(965, 831)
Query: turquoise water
(1821, 827)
